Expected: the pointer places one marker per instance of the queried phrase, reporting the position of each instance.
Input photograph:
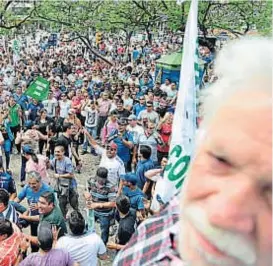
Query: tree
(10, 19)
(121, 16)
(76, 17)
(237, 17)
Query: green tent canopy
(170, 61)
(168, 66)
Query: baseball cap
(132, 117)
(129, 177)
(122, 122)
(112, 145)
(27, 149)
(29, 124)
(102, 172)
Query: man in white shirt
(8, 79)
(156, 175)
(134, 128)
(109, 160)
(133, 79)
(166, 86)
(50, 105)
(64, 105)
(83, 246)
(91, 119)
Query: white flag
(184, 123)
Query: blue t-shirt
(135, 54)
(7, 182)
(135, 197)
(64, 166)
(22, 100)
(137, 108)
(32, 196)
(149, 85)
(33, 110)
(142, 167)
(124, 153)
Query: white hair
(35, 175)
(237, 64)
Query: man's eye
(221, 160)
(218, 164)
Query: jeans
(101, 122)
(7, 148)
(14, 130)
(33, 232)
(104, 226)
(23, 168)
(42, 144)
(72, 198)
(93, 132)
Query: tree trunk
(149, 35)
(128, 39)
(128, 42)
(94, 51)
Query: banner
(16, 50)
(38, 89)
(159, 75)
(185, 117)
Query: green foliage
(82, 16)
(11, 17)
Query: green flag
(38, 89)
(16, 47)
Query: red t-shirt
(165, 133)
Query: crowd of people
(120, 112)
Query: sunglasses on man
(108, 148)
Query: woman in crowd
(37, 163)
(41, 124)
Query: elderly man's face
(226, 205)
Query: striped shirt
(102, 192)
(10, 214)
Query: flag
(38, 89)
(159, 75)
(185, 117)
(16, 51)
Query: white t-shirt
(91, 117)
(64, 108)
(136, 131)
(83, 249)
(159, 190)
(115, 166)
(50, 106)
(127, 102)
(165, 87)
